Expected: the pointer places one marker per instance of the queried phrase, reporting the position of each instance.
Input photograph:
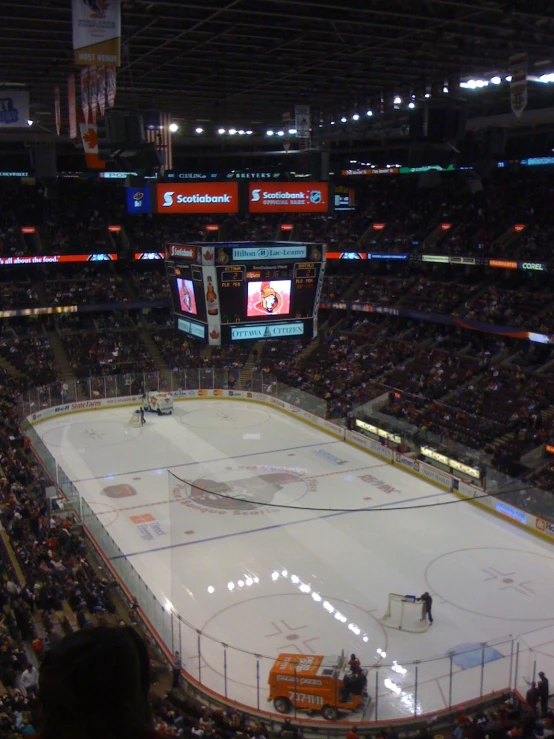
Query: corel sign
(292, 197)
(209, 197)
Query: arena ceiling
(249, 61)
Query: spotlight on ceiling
(173, 127)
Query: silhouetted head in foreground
(94, 684)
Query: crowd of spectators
(107, 353)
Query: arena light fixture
(269, 133)
(221, 131)
(280, 133)
(249, 132)
(496, 80)
(232, 131)
(355, 117)
(292, 131)
(369, 113)
(397, 100)
(199, 129)
(241, 132)
(30, 122)
(173, 127)
(411, 106)
(343, 119)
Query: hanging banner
(89, 136)
(72, 106)
(14, 108)
(101, 83)
(209, 277)
(302, 121)
(96, 32)
(110, 86)
(93, 93)
(57, 111)
(85, 92)
(518, 84)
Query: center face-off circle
(225, 419)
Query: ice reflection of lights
(249, 581)
(231, 586)
(398, 668)
(381, 653)
(240, 583)
(305, 588)
(406, 699)
(211, 589)
(168, 607)
(392, 686)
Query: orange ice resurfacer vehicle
(312, 683)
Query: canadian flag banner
(89, 136)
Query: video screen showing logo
(268, 298)
(187, 301)
(292, 197)
(138, 200)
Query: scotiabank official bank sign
(198, 197)
(289, 197)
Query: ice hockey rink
(261, 543)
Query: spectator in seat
(95, 683)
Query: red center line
(169, 500)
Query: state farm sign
(198, 197)
(289, 197)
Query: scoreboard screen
(247, 290)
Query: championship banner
(302, 121)
(110, 86)
(57, 110)
(14, 108)
(89, 136)
(85, 77)
(97, 32)
(101, 82)
(93, 93)
(72, 106)
(518, 84)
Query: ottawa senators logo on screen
(270, 300)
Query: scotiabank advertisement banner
(289, 197)
(198, 197)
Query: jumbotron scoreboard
(226, 293)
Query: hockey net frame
(134, 421)
(414, 624)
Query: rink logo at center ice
(242, 493)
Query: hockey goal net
(135, 420)
(404, 612)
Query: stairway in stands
(246, 372)
(66, 371)
(148, 341)
(9, 368)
